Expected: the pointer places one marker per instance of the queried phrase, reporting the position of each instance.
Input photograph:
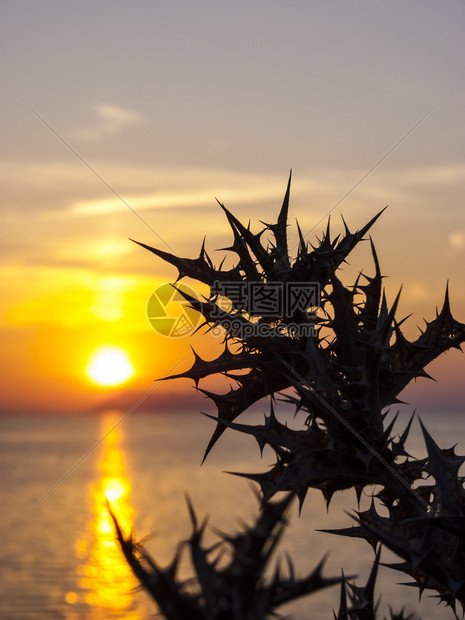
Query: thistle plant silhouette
(344, 374)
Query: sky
(127, 119)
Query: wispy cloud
(456, 241)
(60, 189)
(110, 120)
(252, 193)
(157, 188)
(440, 174)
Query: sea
(59, 558)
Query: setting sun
(109, 365)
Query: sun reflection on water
(105, 583)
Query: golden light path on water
(105, 584)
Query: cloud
(440, 174)
(110, 121)
(69, 188)
(186, 188)
(198, 198)
(457, 240)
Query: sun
(109, 365)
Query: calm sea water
(61, 560)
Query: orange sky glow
(185, 115)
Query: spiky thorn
(372, 291)
(241, 580)
(398, 447)
(284, 589)
(200, 268)
(224, 363)
(363, 598)
(252, 241)
(408, 360)
(354, 531)
(272, 433)
(279, 230)
(325, 245)
(444, 466)
(160, 584)
(255, 385)
(400, 615)
(318, 265)
(302, 248)
(343, 613)
(435, 562)
(240, 247)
